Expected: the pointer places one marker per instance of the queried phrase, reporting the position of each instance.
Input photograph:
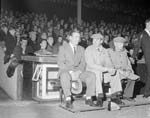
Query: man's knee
(91, 77)
(65, 76)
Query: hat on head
(97, 36)
(119, 40)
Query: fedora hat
(76, 86)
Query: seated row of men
(94, 65)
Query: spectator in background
(58, 43)
(50, 42)
(106, 41)
(43, 50)
(10, 43)
(23, 43)
(83, 41)
(3, 34)
(34, 45)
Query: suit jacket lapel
(75, 57)
(70, 51)
(147, 34)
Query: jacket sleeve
(89, 58)
(62, 61)
(137, 46)
(129, 67)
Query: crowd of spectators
(34, 27)
(27, 30)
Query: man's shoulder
(65, 44)
(89, 47)
(143, 33)
(80, 47)
(109, 50)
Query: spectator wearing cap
(120, 61)
(144, 43)
(96, 57)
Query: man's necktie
(74, 50)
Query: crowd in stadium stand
(34, 27)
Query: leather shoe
(69, 104)
(117, 101)
(90, 102)
(146, 95)
(99, 102)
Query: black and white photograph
(75, 59)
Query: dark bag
(12, 66)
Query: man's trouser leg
(89, 78)
(147, 86)
(99, 89)
(65, 80)
(115, 84)
(129, 89)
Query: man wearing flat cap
(121, 62)
(96, 59)
(119, 40)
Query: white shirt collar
(72, 47)
(147, 31)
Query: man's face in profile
(148, 26)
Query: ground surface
(32, 109)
